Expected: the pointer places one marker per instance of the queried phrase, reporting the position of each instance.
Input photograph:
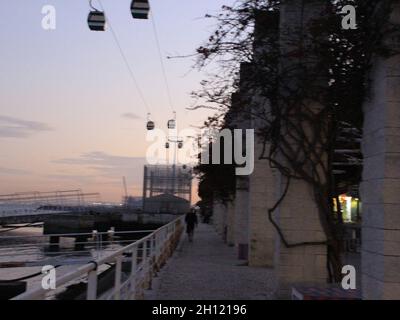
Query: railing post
(144, 254)
(92, 285)
(158, 245)
(144, 265)
(118, 271)
(151, 261)
(96, 240)
(153, 247)
(133, 273)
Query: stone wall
(298, 215)
(242, 201)
(262, 197)
(230, 223)
(261, 233)
(219, 218)
(380, 189)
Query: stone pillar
(216, 217)
(298, 214)
(242, 201)
(299, 222)
(241, 121)
(380, 189)
(224, 219)
(219, 217)
(262, 197)
(230, 223)
(262, 235)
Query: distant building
(166, 203)
(167, 189)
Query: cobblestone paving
(208, 269)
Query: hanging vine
(304, 86)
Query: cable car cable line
(91, 5)
(128, 66)
(140, 10)
(161, 61)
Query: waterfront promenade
(209, 269)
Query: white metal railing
(153, 247)
(71, 234)
(95, 243)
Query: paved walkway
(208, 269)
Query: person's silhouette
(191, 223)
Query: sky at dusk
(70, 116)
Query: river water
(27, 245)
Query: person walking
(191, 223)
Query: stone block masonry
(380, 188)
(262, 197)
(242, 217)
(298, 214)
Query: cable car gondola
(180, 145)
(167, 145)
(96, 19)
(171, 124)
(150, 124)
(140, 9)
